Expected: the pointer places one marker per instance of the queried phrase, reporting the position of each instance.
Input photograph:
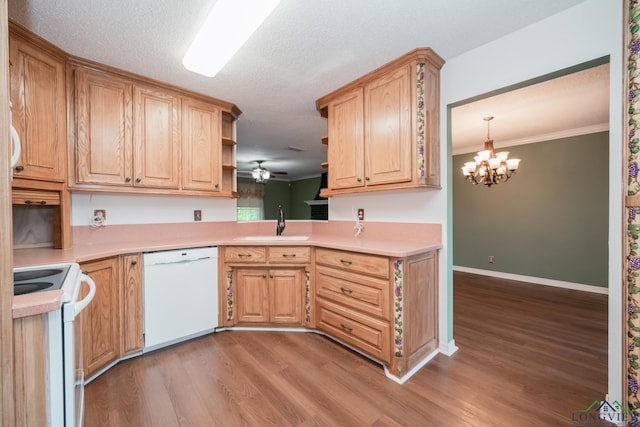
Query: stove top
(37, 279)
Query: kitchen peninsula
(407, 272)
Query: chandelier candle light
(490, 168)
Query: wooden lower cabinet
(266, 285)
(269, 295)
(132, 338)
(369, 334)
(101, 319)
(285, 295)
(384, 307)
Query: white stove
(65, 397)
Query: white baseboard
(405, 377)
(536, 280)
(449, 348)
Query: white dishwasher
(180, 295)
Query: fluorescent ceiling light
(228, 26)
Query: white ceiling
(305, 49)
(573, 104)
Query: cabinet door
(103, 129)
(388, 138)
(156, 138)
(201, 146)
(38, 111)
(131, 303)
(346, 141)
(252, 295)
(285, 296)
(101, 319)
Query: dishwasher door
(180, 295)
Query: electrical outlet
(490, 259)
(100, 214)
(197, 215)
(361, 214)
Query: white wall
(148, 209)
(588, 31)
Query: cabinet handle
(359, 179)
(289, 255)
(346, 261)
(31, 202)
(271, 276)
(138, 180)
(346, 290)
(216, 186)
(19, 168)
(127, 179)
(243, 255)
(264, 276)
(367, 178)
(134, 262)
(346, 327)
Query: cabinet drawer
(27, 197)
(370, 335)
(248, 254)
(373, 265)
(354, 290)
(289, 254)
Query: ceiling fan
(260, 173)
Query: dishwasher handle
(178, 261)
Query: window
(250, 205)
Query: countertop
(385, 241)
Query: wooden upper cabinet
(345, 124)
(103, 151)
(201, 146)
(134, 136)
(156, 138)
(387, 109)
(39, 115)
(383, 128)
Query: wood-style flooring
(529, 355)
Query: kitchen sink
(272, 238)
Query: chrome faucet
(281, 225)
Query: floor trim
(534, 280)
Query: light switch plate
(197, 215)
(361, 214)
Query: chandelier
(490, 168)
(260, 174)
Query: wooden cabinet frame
(139, 113)
(266, 271)
(385, 307)
(383, 128)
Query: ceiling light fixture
(228, 26)
(260, 174)
(490, 168)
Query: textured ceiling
(303, 51)
(574, 104)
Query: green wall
(550, 220)
(290, 195)
(305, 189)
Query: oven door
(73, 366)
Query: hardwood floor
(528, 355)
